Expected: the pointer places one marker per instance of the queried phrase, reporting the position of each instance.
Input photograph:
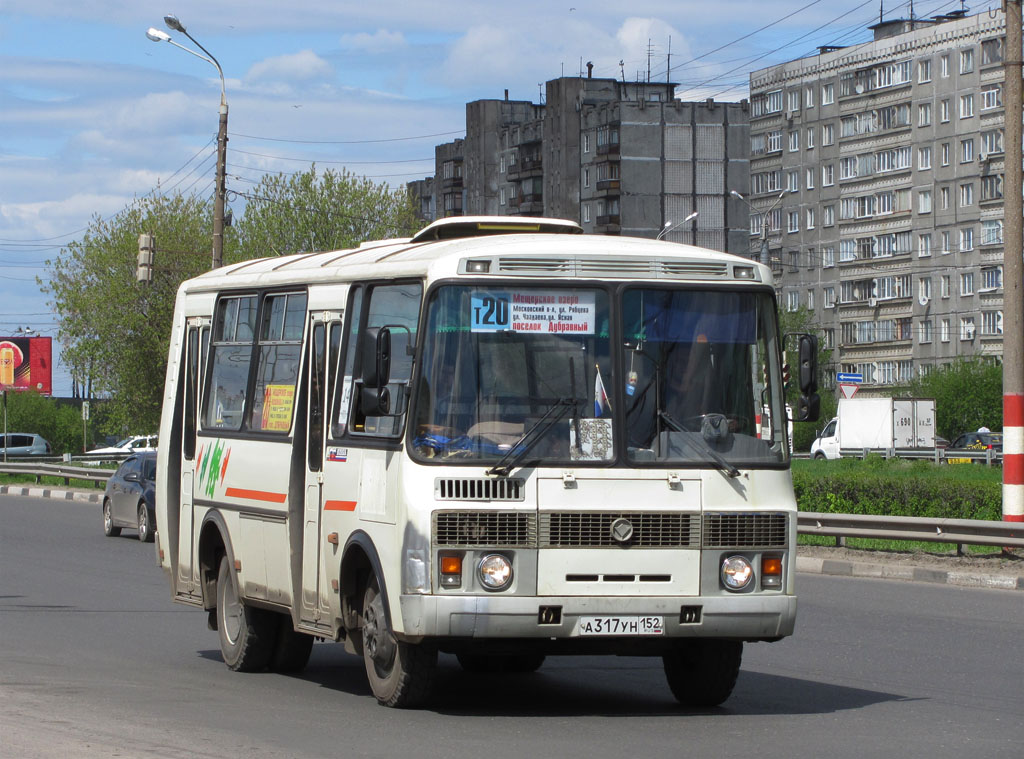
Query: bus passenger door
(325, 339)
(197, 338)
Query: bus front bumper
(743, 616)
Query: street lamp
(222, 132)
(764, 222)
(669, 226)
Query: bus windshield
(514, 375)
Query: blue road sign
(844, 377)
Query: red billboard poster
(26, 364)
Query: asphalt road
(95, 661)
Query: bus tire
(519, 663)
(292, 648)
(108, 521)
(400, 674)
(247, 634)
(702, 672)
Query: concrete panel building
(890, 155)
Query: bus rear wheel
(292, 648)
(247, 635)
(400, 674)
(702, 673)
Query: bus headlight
(736, 573)
(495, 571)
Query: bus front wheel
(702, 673)
(247, 635)
(400, 674)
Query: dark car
(128, 500)
(976, 443)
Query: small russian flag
(601, 402)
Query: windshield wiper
(554, 414)
(716, 457)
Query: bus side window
(191, 391)
(398, 308)
(234, 329)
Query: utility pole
(220, 189)
(1013, 275)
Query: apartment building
(890, 158)
(618, 157)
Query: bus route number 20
(490, 312)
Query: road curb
(843, 568)
(46, 492)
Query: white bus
(499, 439)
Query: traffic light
(147, 246)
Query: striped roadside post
(1013, 457)
(1013, 282)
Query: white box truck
(877, 424)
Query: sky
(93, 114)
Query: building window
(967, 150)
(501, 196)
(828, 216)
(792, 300)
(946, 249)
(828, 94)
(924, 201)
(992, 97)
(774, 141)
(586, 213)
(966, 327)
(944, 151)
(991, 142)
(810, 138)
(992, 51)
(966, 194)
(924, 245)
(501, 165)
(992, 232)
(586, 142)
(991, 277)
(810, 218)
(924, 289)
(966, 239)
(924, 70)
(944, 110)
(991, 322)
(809, 179)
(586, 177)
(924, 158)
(966, 106)
(848, 167)
(944, 330)
(794, 141)
(793, 101)
(944, 198)
(992, 187)
(926, 331)
(944, 66)
(793, 181)
(810, 300)
(847, 250)
(967, 283)
(828, 134)
(793, 221)
(828, 257)
(924, 114)
(967, 60)
(828, 172)
(828, 297)
(773, 101)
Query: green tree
(968, 394)
(114, 330)
(312, 211)
(60, 425)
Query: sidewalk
(976, 571)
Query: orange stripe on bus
(339, 505)
(255, 495)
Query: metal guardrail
(989, 456)
(40, 470)
(979, 532)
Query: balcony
(608, 187)
(608, 149)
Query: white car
(134, 444)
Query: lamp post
(764, 222)
(669, 226)
(222, 132)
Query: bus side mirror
(375, 352)
(808, 409)
(374, 401)
(808, 364)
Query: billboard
(26, 363)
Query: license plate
(586, 626)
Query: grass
(57, 482)
(903, 469)
(901, 546)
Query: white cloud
(294, 68)
(381, 41)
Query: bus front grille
(619, 529)
(745, 530)
(478, 489)
(484, 529)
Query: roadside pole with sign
(849, 383)
(85, 422)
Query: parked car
(129, 499)
(975, 442)
(23, 444)
(134, 444)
